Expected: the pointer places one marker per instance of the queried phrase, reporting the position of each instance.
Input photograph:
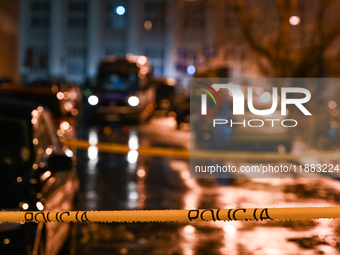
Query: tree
(285, 50)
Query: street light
(148, 25)
(191, 70)
(294, 20)
(120, 10)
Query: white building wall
(24, 36)
(94, 36)
(98, 39)
(56, 62)
(135, 25)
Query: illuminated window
(36, 58)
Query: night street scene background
(85, 84)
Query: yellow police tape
(253, 214)
(200, 154)
(124, 149)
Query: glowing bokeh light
(120, 10)
(191, 70)
(294, 20)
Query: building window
(76, 60)
(156, 57)
(154, 15)
(113, 19)
(77, 14)
(75, 52)
(40, 14)
(154, 52)
(117, 51)
(194, 15)
(76, 68)
(36, 59)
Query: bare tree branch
(318, 41)
(316, 32)
(286, 9)
(307, 55)
(246, 30)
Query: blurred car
(182, 109)
(239, 136)
(122, 91)
(165, 93)
(35, 175)
(53, 99)
(68, 93)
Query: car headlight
(133, 101)
(93, 100)
(40, 206)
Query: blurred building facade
(9, 39)
(67, 38)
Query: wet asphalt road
(123, 182)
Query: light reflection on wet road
(117, 182)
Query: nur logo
(204, 97)
(239, 99)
